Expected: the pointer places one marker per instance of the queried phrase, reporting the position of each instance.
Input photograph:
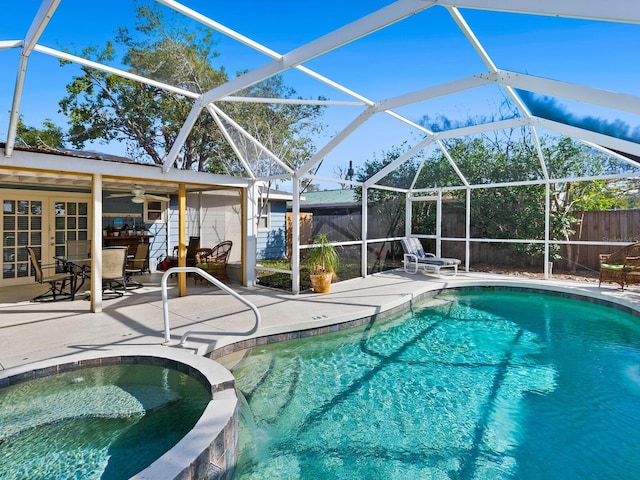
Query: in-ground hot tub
(143, 412)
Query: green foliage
(323, 257)
(147, 118)
(386, 204)
(50, 136)
(510, 212)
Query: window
(264, 216)
(154, 211)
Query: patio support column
(252, 197)
(439, 224)
(96, 244)
(182, 238)
(295, 235)
(408, 208)
(365, 233)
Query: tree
(105, 107)
(387, 205)
(507, 212)
(518, 211)
(50, 136)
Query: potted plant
(322, 262)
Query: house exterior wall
(212, 216)
(272, 242)
(221, 219)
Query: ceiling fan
(138, 195)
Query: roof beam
(623, 11)
(438, 91)
(398, 161)
(335, 141)
(483, 127)
(251, 139)
(40, 22)
(579, 93)
(484, 56)
(588, 136)
(342, 36)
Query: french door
(42, 220)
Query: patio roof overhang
(73, 169)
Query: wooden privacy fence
(596, 226)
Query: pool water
(470, 385)
(105, 422)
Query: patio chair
(139, 263)
(632, 271)
(214, 260)
(78, 248)
(612, 265)
(57, 282)
(194, 244)
(610, 272)
(114, 262)
(415, 258)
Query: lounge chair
(415, 258)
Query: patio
(37, 331)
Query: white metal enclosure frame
(510, 82)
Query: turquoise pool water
(471, 385)
(95, 423)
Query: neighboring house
(330, 202)
(272, 226)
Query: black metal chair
(194, 244)
(57, 282)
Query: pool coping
(209, 449)
(318, 326)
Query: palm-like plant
(323, 257)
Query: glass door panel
(21, 226)
(42, 221)
(71, 223)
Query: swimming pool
(475, 384)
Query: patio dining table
(79, 266)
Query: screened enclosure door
(43, 220)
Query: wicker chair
(619, 267)
(632, 271)
(214, 260)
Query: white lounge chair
(415, 258)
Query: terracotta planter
(321, 282)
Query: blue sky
(426, 50)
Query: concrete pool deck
(32, 332)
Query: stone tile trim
(280, 337)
